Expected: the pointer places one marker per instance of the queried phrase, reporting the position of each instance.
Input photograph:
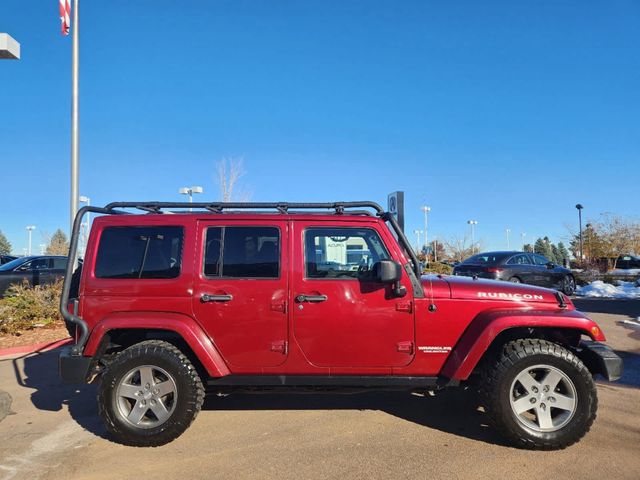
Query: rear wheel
(568, 285)
(515, 280)
(539, 395)
(149, 394)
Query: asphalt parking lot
(54, 432)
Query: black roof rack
(115, 208)
(339, 208)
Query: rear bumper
(601, 359)
(73, 368)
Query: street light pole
(85, 224)
(508, 231)
(417, 234)
(522, 235)
(30, 229)
(426, 211)
(75, 169)
(473, 223)
(580, 207)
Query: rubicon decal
(434, 349)
(510, 296)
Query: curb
(35, 348)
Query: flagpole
(75, 31)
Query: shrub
(437, 267)
(25, 307)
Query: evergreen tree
(528, 248)
(548, 250)
(540, 247)
(58, 244)
(555, 252)
(563, 253)
(5, 245)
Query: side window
(139, 252)
(518, 260)
(540, 260)
(39, 264)
(342, 252)
(59, 263)
(242, 252)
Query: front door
(240, 291)
(341, 316)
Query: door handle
(207, 297)
(311, 298)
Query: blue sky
(505, 112)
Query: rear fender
(478, 336)
(183, 325)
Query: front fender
(181, 324)
(478, 336)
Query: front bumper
(601, 359)
(73, 368)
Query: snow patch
(599, 289)
(624, 271)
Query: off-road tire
(496, 390)
(190, 393)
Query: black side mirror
(551, 265)
(388, 271)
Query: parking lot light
(473, 223)
(580, 207)
(190, 191)
(9, 48)
(30, 228)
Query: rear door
(520, 266)
(240, 290)
(341, 316)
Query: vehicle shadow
(39, 373)
(613, 306)
(631, 373)
(452, 411)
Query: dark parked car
(626, 262)
(6, 259)
(518, 267)
(37, 270)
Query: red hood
(482, 289)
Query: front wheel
(149, 394)
(539, 395)
(568, 285)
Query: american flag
(65, 16)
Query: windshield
(13, 264)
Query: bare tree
(458, 248)
(229, 172)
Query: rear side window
(139, 252)
(59, 263)
(242, 252)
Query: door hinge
(405, 347)
(404, 306)
(281, 346)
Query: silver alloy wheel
(543, 398)
(146, 396)
(569, 285)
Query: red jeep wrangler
(234, 297)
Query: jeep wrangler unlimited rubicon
(227, 297)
